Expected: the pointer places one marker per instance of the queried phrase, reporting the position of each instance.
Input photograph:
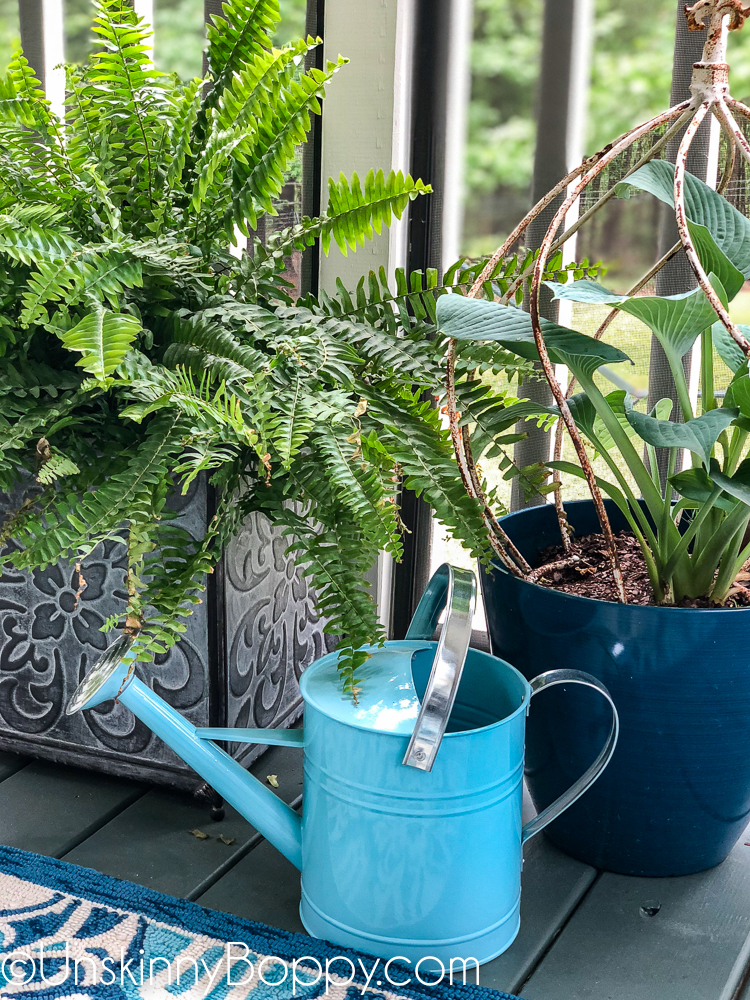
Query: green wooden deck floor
(585, 935)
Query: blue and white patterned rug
(69, 932)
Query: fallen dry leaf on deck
(224, 840)
(200, 835)
(272, 780)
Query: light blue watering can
(410, 840)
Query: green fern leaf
(359, 487)
(56, 467)
(258, 84)
(186, 107)
(258, 177)
(73, 525)
(104, 338)
(31, 243)
(236, 36)
(294, 423)
(353, 212)
(412, 432)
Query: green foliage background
(631, 76)
(179, 26)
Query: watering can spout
(113, 678)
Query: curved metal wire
(710, 94)
(681, 214)
(499, 540)
(605, 198)
(544, 252)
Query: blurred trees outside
(631, 74)
(630, 80)
(178, 32)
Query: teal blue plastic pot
(676, 796)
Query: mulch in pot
(592, 575)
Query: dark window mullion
(429, 120)
(31, 19)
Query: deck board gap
(555, 937)
(101, 821)
(11, 763)
(230, 863)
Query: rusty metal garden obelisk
(710, 96)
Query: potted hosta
(190, 458)
(645, 589)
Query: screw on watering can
(455, 589)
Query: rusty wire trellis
(710, 95)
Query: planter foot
(205, 793)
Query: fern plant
(137, 352)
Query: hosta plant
(137, 352)
(692, 528)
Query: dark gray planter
(238, 664)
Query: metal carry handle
(455, 589)
(551, 679)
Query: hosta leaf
(738, 394)
(104, 338)
(585, 290)
(676, 320)
(728, 349)
(478, 319)
(739, 484)
(695, 484)
(663, 409)
(715, 261)
(730, 229)
(698, 435)
(591, 424)
(583, 412)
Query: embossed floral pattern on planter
(273, 629)
(70, 608)
(264, 630)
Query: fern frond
(71, 278)
(359, 487)
(354, 212)
(73, 525)
(334, 553)
(103, 338)
(186, 108)
(128, 93)
(220, 149)
(294, 422)
(31, 243)
(236, 37)
(412, 432)
(212, 409)
(56, 467)
(201, 344)
(259, 84)
(413, 361)
(258, 177)
(29, 102)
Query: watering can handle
(456, 589)
(551, 679)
